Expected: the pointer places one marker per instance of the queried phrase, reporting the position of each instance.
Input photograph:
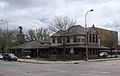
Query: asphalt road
(104, 68)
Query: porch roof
(38, 45)
(82, 46)
(31, 45)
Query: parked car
(9, 57)
(103, 54)
(1, 56)
(26, 57)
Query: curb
(100, 60)
(103, 60)
(33, 62)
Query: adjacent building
(108, 38)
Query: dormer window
(78, 40)
(83, 40)
(59, 40)
(75, 39)
(68, 39)
(53, 39)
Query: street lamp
(86, 53)
(6, 35)
(6, 23)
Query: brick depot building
(62, 42)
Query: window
(76, 52)
(53, 52)
(43, 52)
(67, 52)
(75, 39)
(90, 38)
(96, 39)
(93, 38)
(96, 52)
(53, 40)
(90, 52)
(83, 40)
(59, 52)
(59, 40)
(68, 39)
(78, 40)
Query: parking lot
(103, 68)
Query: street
(103, 68)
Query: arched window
(96, 38)
(93, 38)
(90, 38)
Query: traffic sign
(71, 51)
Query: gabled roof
(89, 28)
(32, 44)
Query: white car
(103, 54)
(1, 56)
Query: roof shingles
(74, 30)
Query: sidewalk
(48, 62)
(64, 62)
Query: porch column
(37, 55)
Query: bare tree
(6, 37)
(38, 34)
(31, 35)
(61, 24)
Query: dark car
(9, 57)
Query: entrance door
(83, 54)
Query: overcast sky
(32, 14)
